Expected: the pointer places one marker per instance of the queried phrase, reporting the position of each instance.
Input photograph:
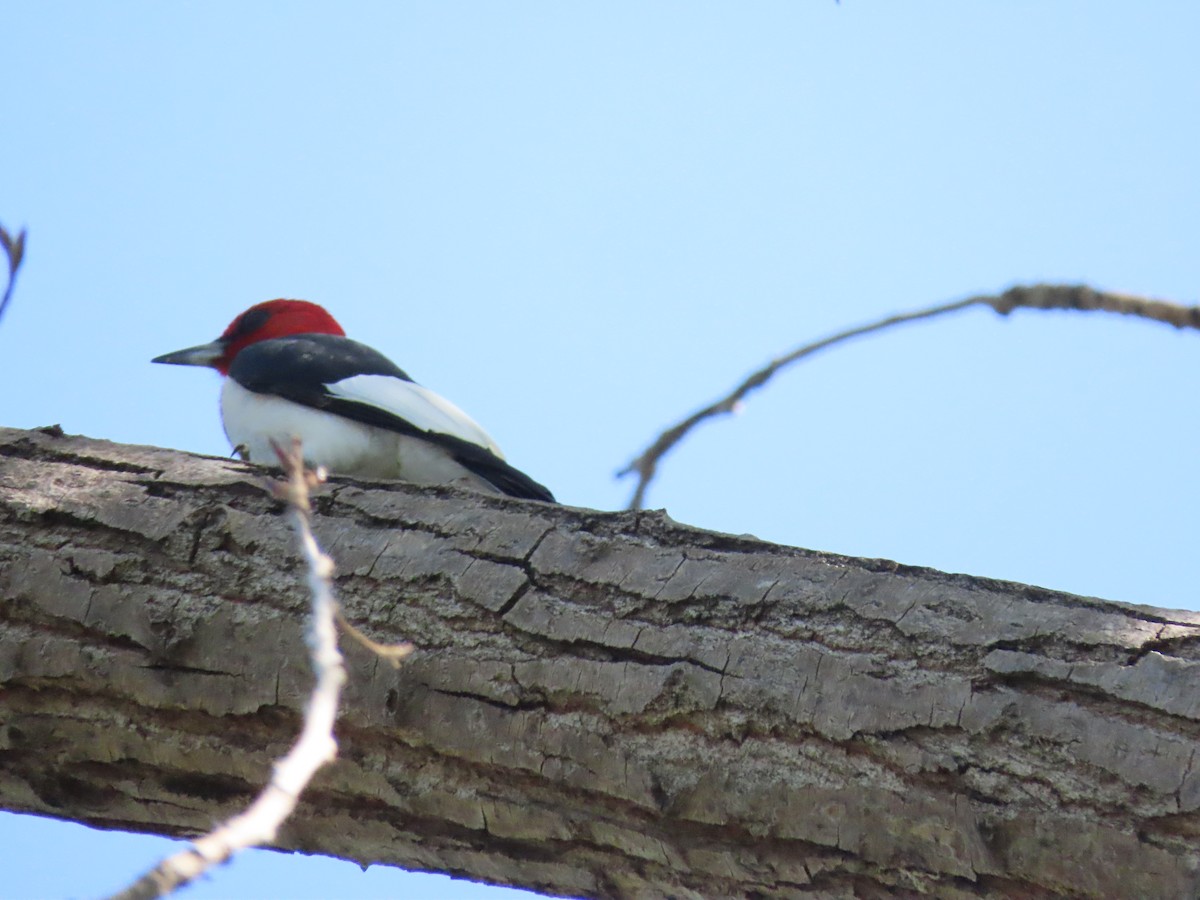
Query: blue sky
(582, 221)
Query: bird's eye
(249, 323)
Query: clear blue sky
(582, 220)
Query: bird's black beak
(202, 355)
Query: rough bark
(601, 704)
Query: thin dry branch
(392, 654)
(316, 745)
(1039, 296)
(14, 249)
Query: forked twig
(14, 249)
(316, 745)
(1040, 296)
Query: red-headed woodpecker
(292, 372)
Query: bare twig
(390, 653)
(14, 249)
(1040, 296)
(316, 745)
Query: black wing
(299, 367)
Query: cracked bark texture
(601, 704)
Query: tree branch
(14, 252)
(601, 704)
(1043, 296)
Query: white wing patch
(420, 406)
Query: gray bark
(601, 704)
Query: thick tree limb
(1076, 297)
(600, 704)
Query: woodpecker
(290, 371)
